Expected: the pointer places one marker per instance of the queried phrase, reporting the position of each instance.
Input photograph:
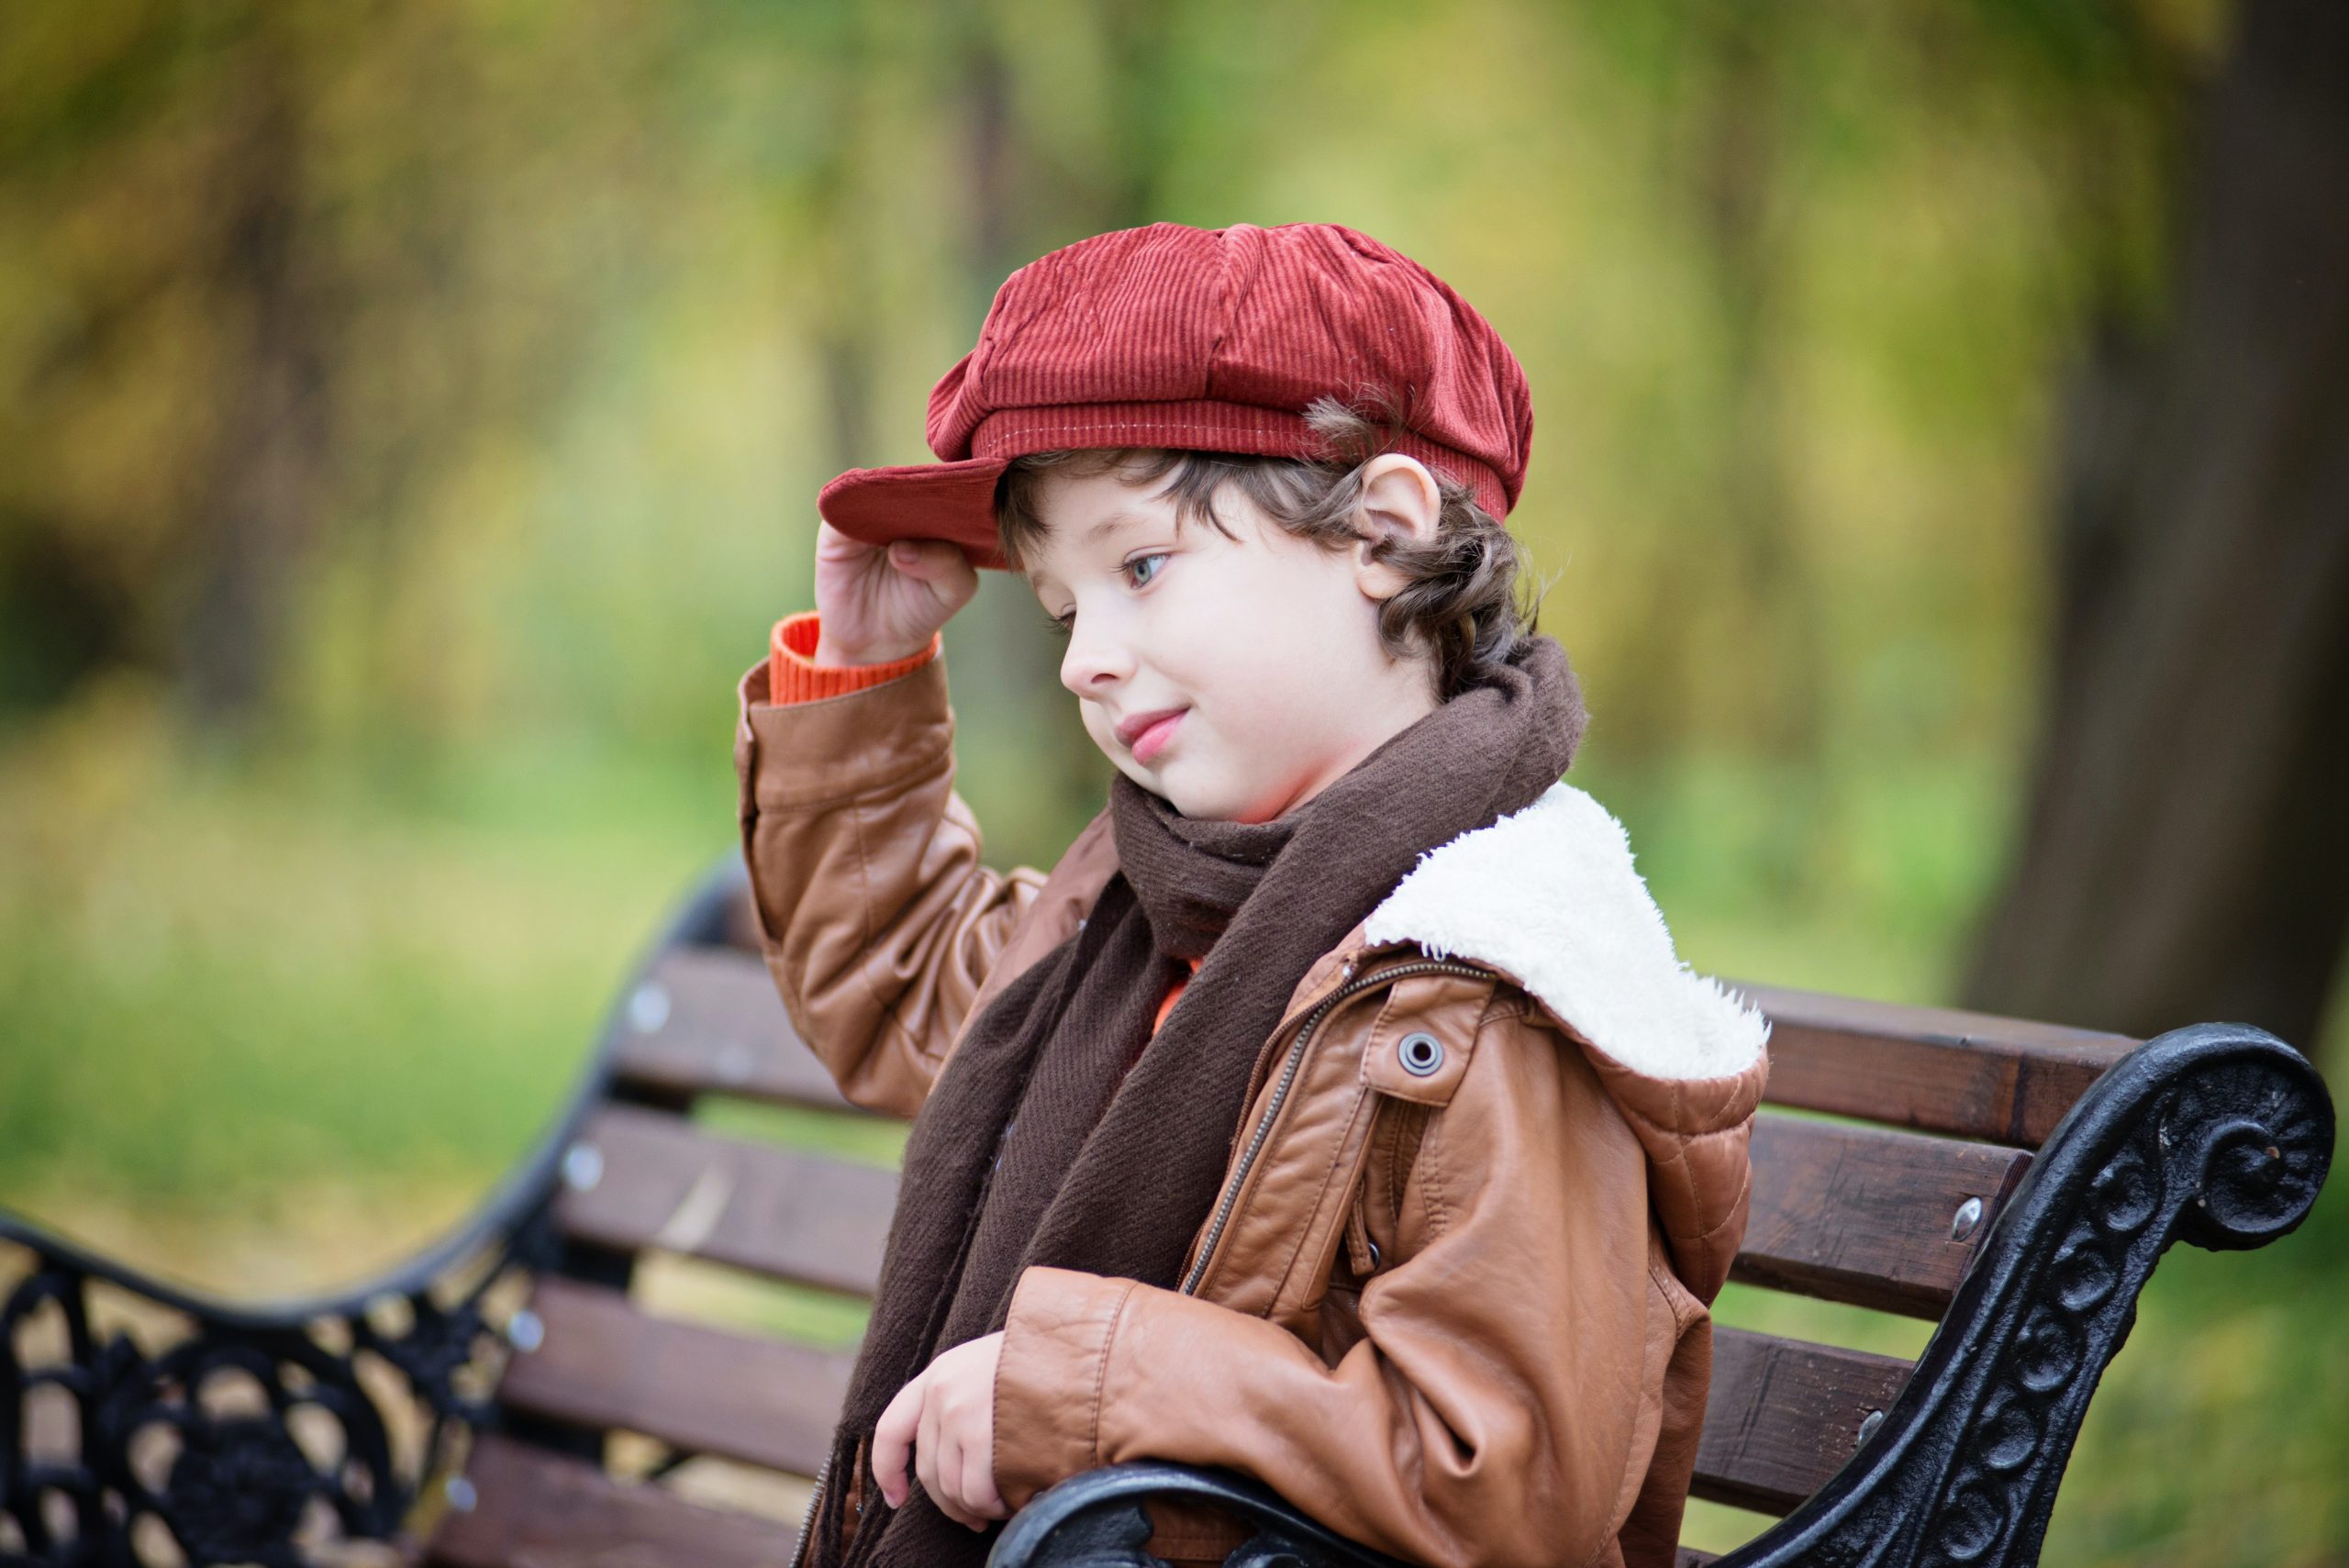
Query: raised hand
(877, 605)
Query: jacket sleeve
(1505, 1398)
(878, 921)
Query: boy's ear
(1399, 500)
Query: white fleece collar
(1548, 895)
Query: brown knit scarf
(1026, 1149)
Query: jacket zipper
(808, 1520)
(1290, 1065)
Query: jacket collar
(1548, 896)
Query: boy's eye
(1060, 624)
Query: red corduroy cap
(1213, 340)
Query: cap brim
(952, 501)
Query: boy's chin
(1143, 781)
(1199, 808)
(1187, 801)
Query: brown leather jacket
(1457, 1307)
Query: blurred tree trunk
(846, 312)
(1027, 199)
(1779, 686)
(1012, 219)
(2185, 855)
(258, 506)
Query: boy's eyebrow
(1108, 524)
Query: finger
(936, 1458)
(950, 1479)
(978, 1493)
(948, 1494)
(831, 544)
(923, 557)
(946, 1491)
(938, 563)
(926, 1450)
(891, 1439)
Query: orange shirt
(1174, 991)
(793, 676)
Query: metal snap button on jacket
(1421, 1053)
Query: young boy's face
(1263, 647)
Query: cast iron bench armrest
(1097, 1520)
(2217, 1134)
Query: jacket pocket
(1411, 1065)
(1375, 1215)
(1289, 1231)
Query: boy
(1336, 1109)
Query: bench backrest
(1891, 1136)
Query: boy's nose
(1093, 665)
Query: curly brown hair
(1464, 605)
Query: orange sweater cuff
(792, 674)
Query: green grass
(227, 995)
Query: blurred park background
(410, 418)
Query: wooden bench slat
(780, 1212)
(1935, 1068)
(1782, 1416)
(1853, 1214)
(603, 1363)
(721, 1028)
(1864, 1215)
(546, 1510)
(708, 1020)
(737, 924)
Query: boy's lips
(1130, 728)
(1157, 737)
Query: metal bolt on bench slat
(648, 1009)
(583, 1167)
(526, 1331)
(1968, 1216)
(733, 1063)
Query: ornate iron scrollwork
(2220, 1135)
(251, 1436)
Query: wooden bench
(508, 1398)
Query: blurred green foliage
(410, 418)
